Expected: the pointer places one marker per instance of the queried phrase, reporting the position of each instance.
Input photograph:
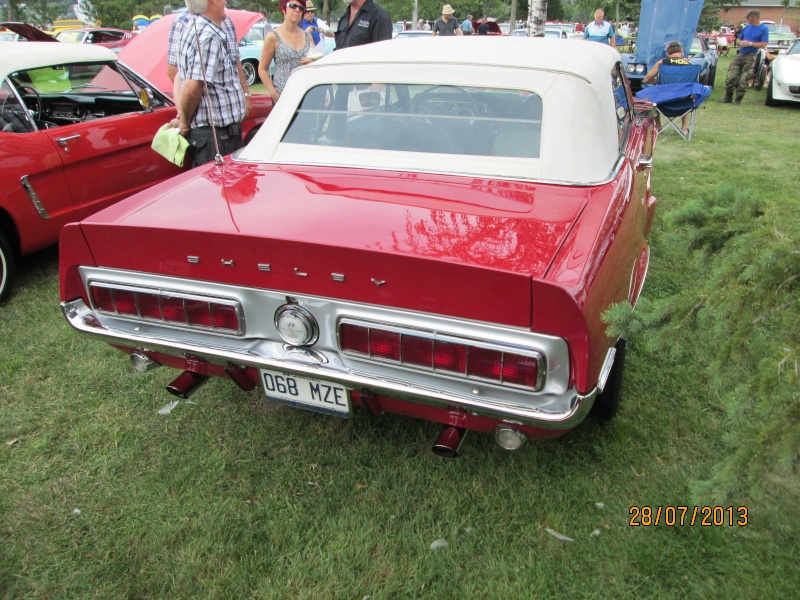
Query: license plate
(303, 392)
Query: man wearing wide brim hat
(447, 24)
(319, 28)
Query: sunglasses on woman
(295, 6)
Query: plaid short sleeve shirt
(176, 30)
(217, 68)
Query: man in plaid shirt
(205, 65)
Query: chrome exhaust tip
(509, 438)
(449, 442)
(143, 363)
(186, 384)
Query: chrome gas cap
(296, 325)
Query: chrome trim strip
(37, 204)
(605, 370)
(611, 176)
(81, 318)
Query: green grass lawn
(228, 496)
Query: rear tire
(712, 75)
(251, 72)
(770, 101)
(758, 82)
(7, 268)
(606, 405)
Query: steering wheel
(39, 104)
(423, 103)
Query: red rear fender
(73, 252)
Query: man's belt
(232, 129)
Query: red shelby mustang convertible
(442, 251)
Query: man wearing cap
(447, 24)
(363, 22)
(319, 28)
(754, 36)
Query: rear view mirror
(146, 99)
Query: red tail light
(417, 351)
(384, 344)
(520, 370)
(487, 364)
(469, 360)
(354, 338)
(149, 306)
(172, 309)
(224, 317)
(102, 299)
(199, 313)
(154, 305)
(450, 357)
(125, 303)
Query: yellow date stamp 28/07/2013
(704, 516)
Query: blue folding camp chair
(677, 94)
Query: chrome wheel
(250, 72)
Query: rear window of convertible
(443, 119)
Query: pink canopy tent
(146, 53)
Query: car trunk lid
(456, 246)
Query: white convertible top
(579, 129)
(16, 56)
(570, 56)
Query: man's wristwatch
(247, 94)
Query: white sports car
(785, 83)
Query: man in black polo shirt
(363, 22)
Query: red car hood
(146, 53)
(461, 237)
(29, 32)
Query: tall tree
(537, 16)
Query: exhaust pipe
(142, 363)
(240, 377)
(186, 383)
(449, 442)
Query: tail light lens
(417, 351)
(354, 337)
(210, 314)
(384, 344)
(125, 303)
(450, 357)
(484, 363)
(468, 358)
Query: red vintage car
(75, 132)
(388, 245)
(115, 39)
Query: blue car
(659, 24)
